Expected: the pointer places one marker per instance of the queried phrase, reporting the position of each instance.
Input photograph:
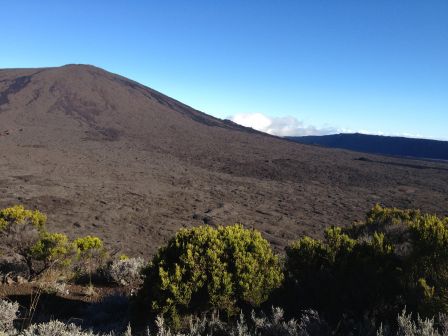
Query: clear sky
(288, 67)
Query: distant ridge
(377, 144)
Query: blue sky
(288, 67)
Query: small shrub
(90, 290)
(127, 271)
(55, 328)
(407, 326)
(8, 313)
(310, 324)
(86, 246)
(18, 215)
(90, 255)
(52, 249)
(55, 287)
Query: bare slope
(104, 155)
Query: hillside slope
(384, 145)
(104, 155)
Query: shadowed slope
(383, 145)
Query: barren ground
(104, 155)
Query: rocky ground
(103, 155)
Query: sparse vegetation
(206, 281)
(309, 324)
(24, 234)
(274, 325)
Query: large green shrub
(205, 268)
(420, 243)
(395, 258)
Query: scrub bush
(396, 258)
(203, 268)
(407, 326)
(127, 271)
(52, 248)
(90, 255)
(275, 324)
(18, 215)
(8, 313)
(23, 233)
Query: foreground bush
(394, 259)
(23, 233)
(407, 326)
(8, 313)
(205, 268)
(275, 324)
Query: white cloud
(291, 126)
(281, 126)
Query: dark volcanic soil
(104, 155)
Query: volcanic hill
(104, 155)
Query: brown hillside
(104, 155)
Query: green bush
(395, 258)
(52, 249)
(90, 255)
(18, 215)
(205, 268)
(23, 233)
